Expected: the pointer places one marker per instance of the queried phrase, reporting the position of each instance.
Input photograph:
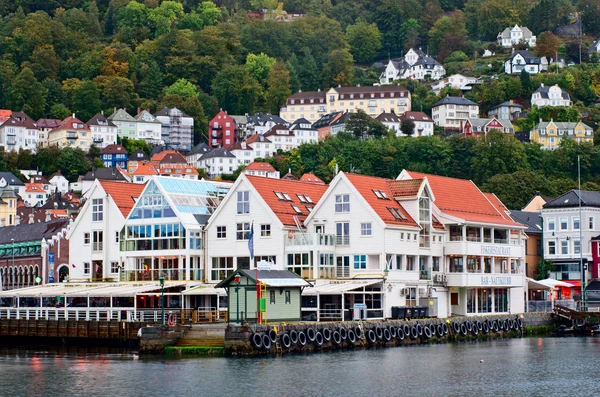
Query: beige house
(73, 133)
(373, 100)
(8, 207)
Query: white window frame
(265, 230)
(366, 229)
(97, 210)
(243, 202)
(221, 232)
(342, 203)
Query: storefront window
(501, 300)
(471, 294)
(485, 301)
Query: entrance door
(343, 267)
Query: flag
(73, 266)
(251, 242)
(97, 268)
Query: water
(516, 367)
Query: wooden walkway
(118, 330)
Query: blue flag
(251, 242)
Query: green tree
(409, 34)
(278, 87)
(259, 66)
(59, 111)
(86, 100)
(339, 69)
(497, 153)
(408, 128)
(517, 188)
(363, 126)
(236, 89)
(164, 16)
(364, 40)
(28, 94)
(183, 88)
(73, 162)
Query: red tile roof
(462, 199)
(267, 187)
(365, 186)
(161, 155)
(257, 137)
(48, 123)
(406, 188)
(123, 193)
(34, 188)
(69, 123)
(145, 169)
(114, 149)
(500, 207)
(260, 166)
(311, 178)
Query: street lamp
(237, 298)
(161, 279)
(12, 240)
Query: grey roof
(325, 120)
(428, 62)
(105, 174)
(560, 125)
(571, 199)
(532, 220)
(388, 118)
(481, 123)
(200, 148)
(30, 232)
(121, 115)
(454, 100)
(506, 104)
(219, 152)
(506, 32)
(147, 117)
(544, 90)
(343, 119)
(530, 59)
(11, 179)
(100, 119)
(595, 47)
(276, 278)
(139, 155)
(262, 118)
(165, 112)
(301, 120)
(239, 120)
(56, 201)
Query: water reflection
(533, 366)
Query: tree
(73, 162)
(236, 89)
(164, 16)
(497, 153)
(408, 128)
(259, 66)
(409, 33)
(363, 126)
(590, 16)
(339, 69)
(183, 88)
(278, 87)
(448, 30)
(59, 111)
(547, 44)
(28, 94)
(364, 40)
(515, 189)
(86, 100)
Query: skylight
(301, 197)
(287, 197)
(378, 194)
(279, 196)
(396, 213)
(298, 210)
(308, 199)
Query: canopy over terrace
(334, 301)
(542, 295)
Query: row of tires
(380, 333)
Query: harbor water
(549, 366)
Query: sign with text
(50, 267)
(496, 280)
(495, 250)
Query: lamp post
(12, 241)
(237, 298)
(161, 279)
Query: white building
(260, 168)
(104, 131)
(34, 194)
(522, 60)
(59, 182)
(458, 81)
(94, 236)
(416, 65)
(148, 128)
(550, 96)
(19, 132)
(423, 123)
(218, 161)
(510, 37)
(452, 112)
(391, 121)
(304, 132)
(197, 151)
(177, 129)
(276, 207)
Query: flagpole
(583, 302)
(251, 250)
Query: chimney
(31, 220)
(541, 85)
(48, 217)
(73, 115)
(2, 222)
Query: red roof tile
(114, 149)
(123, 193)
(69, 123)
(311, 178)
(161, 155)
(145, 169)
(406, 188)
(267, 187)
(365, 186)
(259, 166)
(462, 199)
(34, 188)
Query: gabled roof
(259, 166)
(405, 188)
(544, 91)
(146, 117)
(25, 119)
(532, 220)
(273, 278)
(278, 130)
(146, 168)
(507, 104)
(100, 119)
(107, 174)
(219, 152)
(38, 179)
(283, 209)
(69, 123)
(263, 118)
(31, 232)
(48, 123)
(311, 178)
(343, 119)
(257, 138)
(500, 207)
(173, 158)
(571, 199)
(416, 116)
(11, 179)
(326, 120)
(114, 149)
(240, 146)
(34, 188)
(388, 118)
(301, 120)
(366, 185)
(200, 148)
(124, 194)
(527, 56)
(454, 100)
(161, 155)
(462, 199)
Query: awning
(82, 290)
(555, 283)
(204, 290)
(593, 286)
(42, 290)
(338, 288)
(534, 284)
(119, 290)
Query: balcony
(11, 141)
(503, 280)
(72, 135)
(310, 239)
(98, 140)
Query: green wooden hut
(281, 295)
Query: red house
(478, 127)
(221, 131)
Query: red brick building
(221, 131)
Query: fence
(547, 306)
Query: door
(343, 267)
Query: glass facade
(487, 300)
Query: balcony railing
(342, 240)
(154, 274)
(72, 135)
(97, 247)
(310, 239)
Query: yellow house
(73, 133)
(549, 134)
(8, 207)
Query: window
(576, 247)
(551, 224)
(435, 263)
(342, 233)
(265, 230)
(288, 297)
(86, 267)
(222, 267)
(342, 203)
(97, 210)
(564, 247)
(243, 231)
(287, 197)
(86, 238)
(424, 212)
(551, 247)
(221, 231)
(97, 240)
(576, 223)
(396, 213)
(117, 237)
(365, 229)
(301, 264)
(564, 224)
(360, 261)
(301, 198)
(243, 202)
(114, 267)
(295, 208)
(591, 223)
(410, 262)
(272, 297)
